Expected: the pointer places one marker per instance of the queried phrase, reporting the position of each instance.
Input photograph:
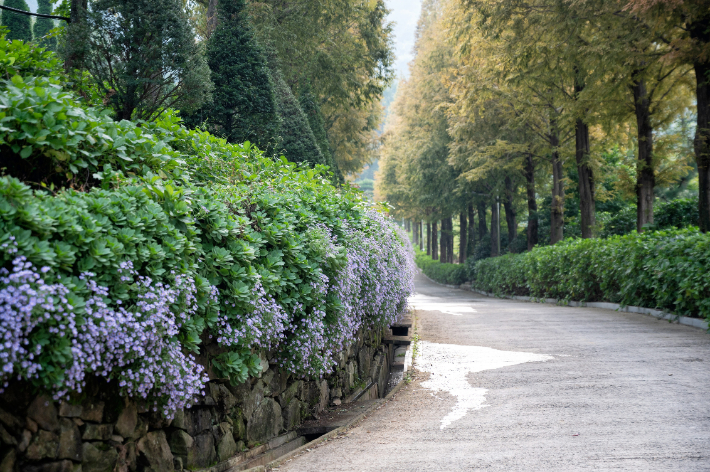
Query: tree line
(301, 79)
(563, 115)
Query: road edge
(326, 437)
(661, 315)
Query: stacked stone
(103, 432)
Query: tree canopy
(144, 57)
(560, 112)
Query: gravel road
(508, 385)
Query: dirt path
(532, 387)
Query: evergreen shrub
(679, 213)
(666, 269)
(296, 139)
(444, 273)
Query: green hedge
(444, 273)
(668, 270)
(679, 213)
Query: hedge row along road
(536, 387)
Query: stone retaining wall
(99, 431)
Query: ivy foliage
(656, 269)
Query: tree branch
(40, 15)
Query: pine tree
(18, 24)
(243, 107)
(43, 26)
(310, 108)
(296, 139)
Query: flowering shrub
(374, 275)
(43, 329)
(256, 272)
(179, 240)
(204, 242)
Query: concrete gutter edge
(336, 432)
(684, 320)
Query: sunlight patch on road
(449, 364)
(419, 301)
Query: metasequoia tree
(508, 100)
(505, 122)
(630, 77)
(527, 38)
(686, 26)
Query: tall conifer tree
(296, 139)
(243, 107)
(18, 24)
(313, 113)
(144, 56)
(43, 26)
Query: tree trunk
(482, 230)
(495, 250)
(586, 176)
(76, 37)
(451, 240)
(558, 190)
(434, 245)
(421, 235)
(471, 230)
(211, 17)
(450, 223)
(510, 215)
(532, 203)
(407, 226)
(443, 243)
(428, 239)
(463, 237)
(702, 141)
(645, 176)
(415, 233)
